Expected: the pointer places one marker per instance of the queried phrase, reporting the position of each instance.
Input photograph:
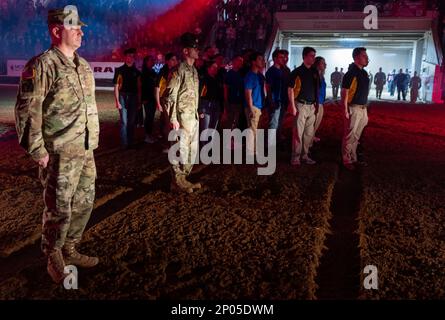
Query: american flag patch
(28, 73)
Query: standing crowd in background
(403, 82)
(244, 95)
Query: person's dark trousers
(277, 113)
(128, 112)
(164, 124)
(164, 127)
(335, 91)
(242, 123)
(139, 117)
(150, 110)
(209, 112)
(392, 88)
(379, 91)
(401, 90)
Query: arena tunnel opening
(410, 45)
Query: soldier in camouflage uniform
(58, 126)
(181, 98)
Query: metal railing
(321, 5)
(347, 5)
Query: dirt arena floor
(302, 233)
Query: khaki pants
(303, 130)
(252, 123)
(358, 119)
(318, 118)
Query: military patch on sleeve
(28, 73)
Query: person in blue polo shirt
(255, 92)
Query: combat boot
(192, 185)
(179, 184)
(73, 257)
(56, 265)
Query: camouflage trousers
(69, 191)
(188, 145)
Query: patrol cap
(130, 51)
(58, 16)
(189, 40)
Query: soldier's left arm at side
(33, 88)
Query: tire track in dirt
(338, 273)
(338, 276)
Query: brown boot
(179, 184)
(56, 265)
(192, 185)
(73, 257)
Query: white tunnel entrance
(397, 44)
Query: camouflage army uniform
(56, 114)
(181, 97)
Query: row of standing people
(225, 96)
(222, 93)
(402, 82)
(138, 94)
(58, 125)
(302, 92)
